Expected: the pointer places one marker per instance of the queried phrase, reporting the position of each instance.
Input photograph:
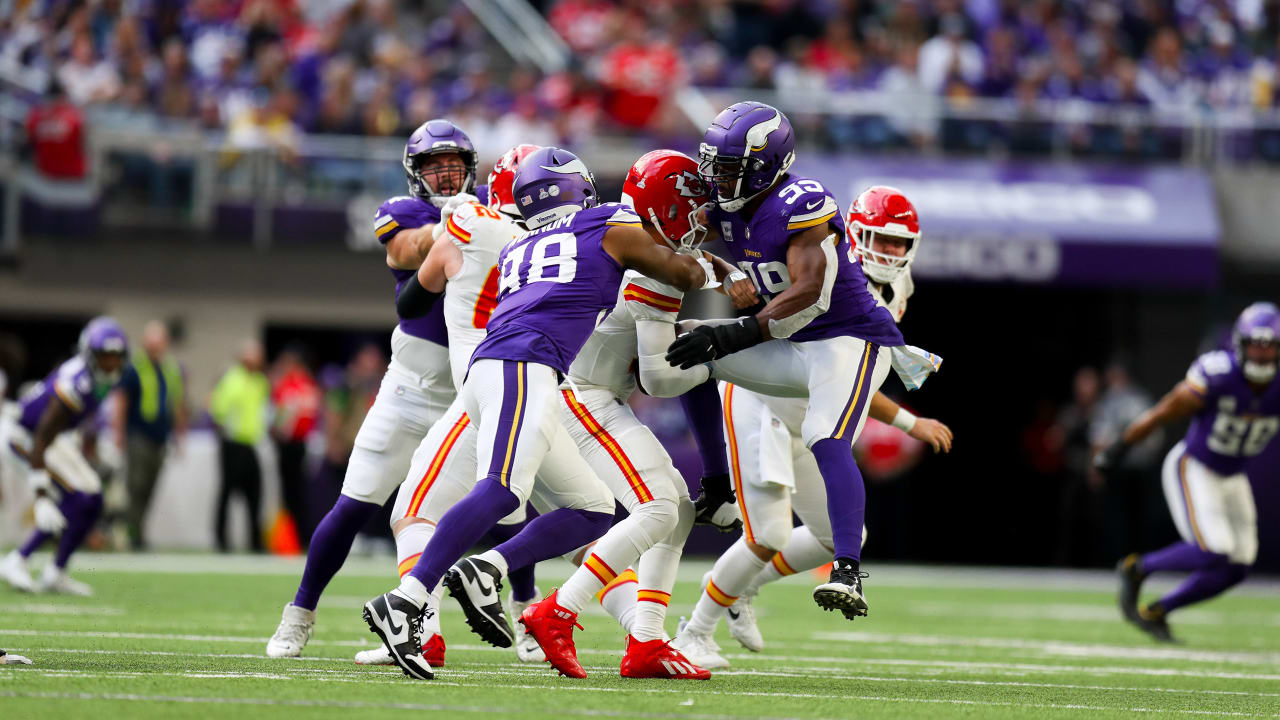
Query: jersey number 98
(552, 259)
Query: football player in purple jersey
(440, 165)
(41, 436)
(1233, 400)
(820, 333)
(557, 281)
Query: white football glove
(48, 517)
(447, 205)
(11, 659)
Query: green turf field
(183, 636)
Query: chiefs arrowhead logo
(690, 185)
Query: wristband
(904, 420)
(734, 277)
(710, 283)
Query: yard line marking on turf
(1056, 647)
(596, 712)
(1068, 612)
(57, 609)
(354, 704)
(786, 671)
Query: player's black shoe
(476, 585)
(1152, 620)
(398, 622)
(1131, 577)
(843, 591)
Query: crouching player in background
(1233, 400)
(41, 432)
(774, 473)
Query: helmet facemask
(1255, 371)
(735, 174)
(879, 266)
(427, 181)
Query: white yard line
(691, 570)
(837, 666)
(1054, 647)
(605, 712)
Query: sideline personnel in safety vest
(152, 409)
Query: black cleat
(476, 585)
(1131, 578)
(1152, 620)
(843, 591)
(398, 622)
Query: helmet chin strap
(1258, 372)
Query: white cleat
(527, 649)
(296, 626)
(13, 570)
(700, 648)
(377, 656)
(741, 618)
(55, 580)
(11, 659)
(397, 621)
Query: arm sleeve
(71, 388)
(414, 300)
(657, 376)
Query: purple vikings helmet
(103, 336)
(436, 137)
(1258, 324)
(745, 151)
(550, 184)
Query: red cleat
(552, 626)
(433, 651)
(657, 659)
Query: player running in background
(462, 264)
(1233, 400)
(41, 432)
(821, 334)
(627, 349)
(556, 282)
(440, 162)
(775, 474)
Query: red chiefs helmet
(883, 210)
(664, 187)
(501, 196)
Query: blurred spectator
(1078, 502)
(1129, 488)
(151, 409)
(911, 111)
(238, 407)
(349, 395)
(86, 78)
(295, 403)
(55, 132)
(950, 56)
(641, 74)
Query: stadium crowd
(268, 71)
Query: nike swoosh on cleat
(391, 623)
(732, 613)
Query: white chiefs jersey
(608, 359)
(791, 410)
(471, 294)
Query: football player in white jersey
(463, 260)
(774, 474)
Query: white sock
(618, 598)
(615, 551)
(410, 542)
(656, 573)
(494, 558)
(731, 574)
(413, 589)
(802, 552)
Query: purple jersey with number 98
(1236, 422)
(556, 284)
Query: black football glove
(717, 505)
(709, 342)
(1110, 457)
